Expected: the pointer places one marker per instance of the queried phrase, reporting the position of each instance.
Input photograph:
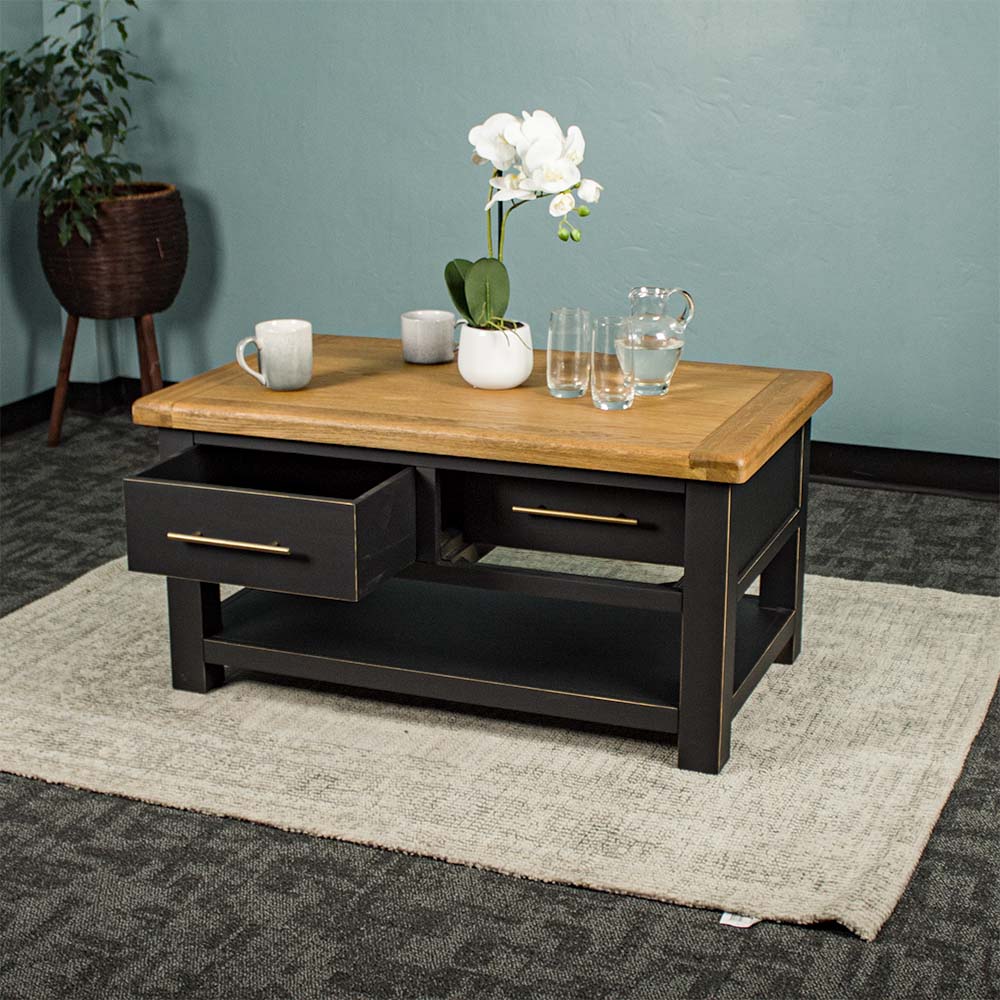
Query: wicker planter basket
(135, 263)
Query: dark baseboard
(84, 397)
(968, 476)
(843, 464)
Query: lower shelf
(591, 662)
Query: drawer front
(583, 519)
(271, 541)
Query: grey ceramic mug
(428, 336)
(284, 353)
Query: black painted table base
(373, 580)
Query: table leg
(195, 611)
(708, 629)
(781, 583)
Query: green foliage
(487, 290)
(63, 105)
(454, 277)
(480, 291)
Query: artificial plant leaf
(454, 277)
(487, 291)
(83, 230)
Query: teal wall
(822, 176)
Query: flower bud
(583, 211)
(575, 235)
(563, 235)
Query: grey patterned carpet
(107, 898)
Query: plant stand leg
(144, 388)
(62, 382)
(708, 629)
(148, 335)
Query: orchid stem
(489, 221)
(503, 228)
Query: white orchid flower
(547, 170)
(530, 129)
(574, 145)
(490, 143)
(542, 151)
(550, 175)
(508, 187)
(562, 204)
(590, 191)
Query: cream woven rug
(840, 767)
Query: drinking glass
(612, 378)
(660, 337)
(567, 365)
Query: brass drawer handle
(226, 543)
(573, 516)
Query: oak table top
(719, 423)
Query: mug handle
(460, 324)
(242, 361)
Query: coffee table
(355, 515)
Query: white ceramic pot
(495, 359)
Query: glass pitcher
(659, 336)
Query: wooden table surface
(718, 422)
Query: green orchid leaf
(487, 291)
(454, 277)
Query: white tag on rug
(738, 920)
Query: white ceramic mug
(428, 336)
(284, 353)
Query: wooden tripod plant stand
(150, 377)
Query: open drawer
(300, 524)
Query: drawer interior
(271, 472)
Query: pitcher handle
(688, 314)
